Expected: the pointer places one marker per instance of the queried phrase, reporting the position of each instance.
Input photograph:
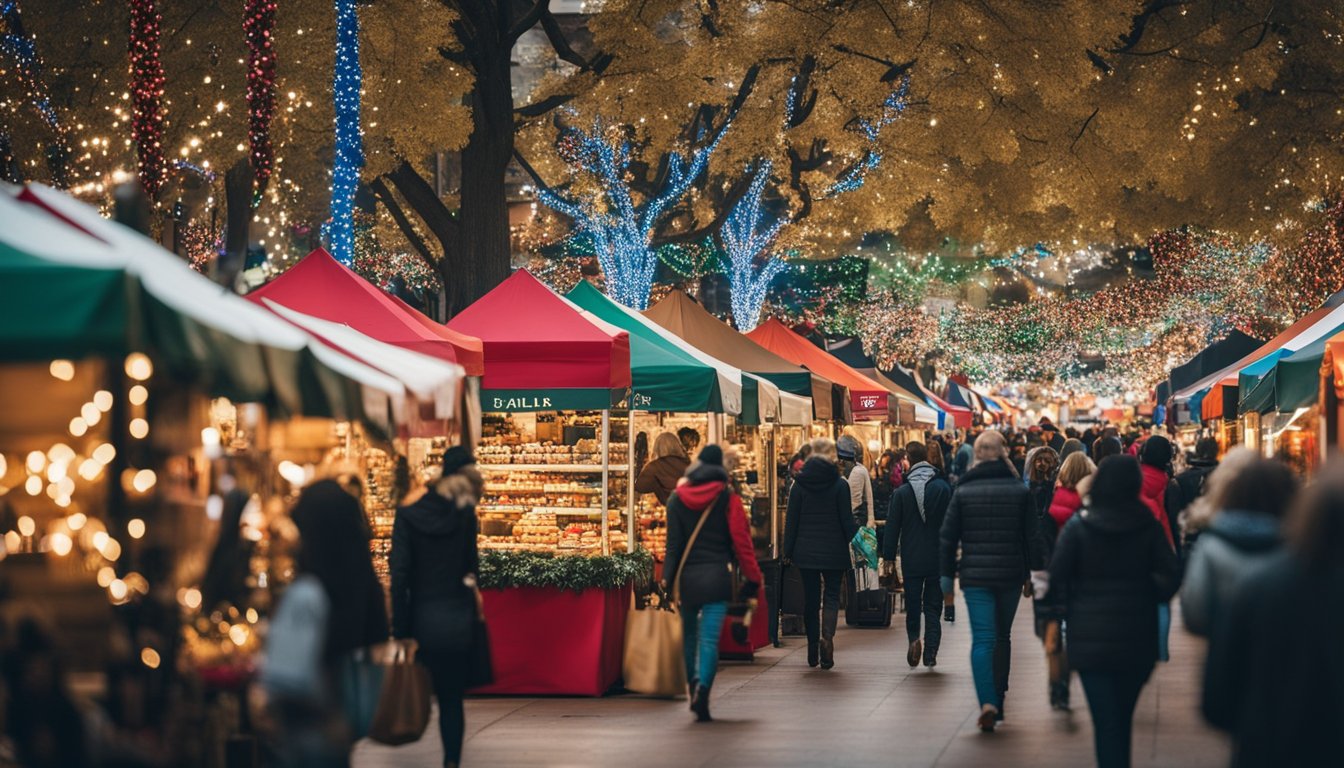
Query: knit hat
(1116, 483)
(848, 448)
(456, 458)
(1156, 452)
(711, 454)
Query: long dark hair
(334, 548)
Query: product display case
(554, 481)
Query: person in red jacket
(1159, 493)
(697, 563)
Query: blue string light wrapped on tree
(339, 231)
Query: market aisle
(871, 710)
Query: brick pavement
(871, 710)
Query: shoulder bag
(654, 661)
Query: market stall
(749, 430)
(1332, 394)
(913, 413)
(127, 445)
(555, 459)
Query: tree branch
(1083, 130)
(722, 210)
(560, 43)
(425, 201)
(528, 19)
(539, 108)
(389, 200)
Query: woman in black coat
(433, 564)
(817, 530)
(1115, 566)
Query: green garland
(501, 570)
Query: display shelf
(576, 511)
(575, 468)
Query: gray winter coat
(1235, 543)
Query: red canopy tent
(324, 288)
(542, 352)
(868, 398)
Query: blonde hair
(824, 447)
(1075, 469)
(668, 444)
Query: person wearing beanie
(707, 531)
(850, 452)
(1112, 564)
(1159, 493)
(433, 565)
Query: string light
(620, 230)
(346, 86)
(751, 268)
(258, 27)
(18, 45)
(147, 85)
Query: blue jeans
(1163, 631)
(700, 630)
(991, 611)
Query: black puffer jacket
(433, 547)
(912, 530)
(819, 523)
(1117, 567)
(992, 518)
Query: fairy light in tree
(18, 45)
(147, 83)
(259, 28)
(346, 85)
(620, 229)
(747, 238)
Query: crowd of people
(1102, 531)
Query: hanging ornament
(259, 29)
(147, 94)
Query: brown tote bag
(403, 707)
(654, 661)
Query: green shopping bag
(864, 547)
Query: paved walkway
(871, 710)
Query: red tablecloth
(548, 641)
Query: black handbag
(480, 664)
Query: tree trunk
(481, 257)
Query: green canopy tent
(664, 378)
(1293, 382)
(74, 285)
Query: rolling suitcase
(869, 607)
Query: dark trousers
(814, 600)
(446, 677)
(1111, 696)
(923, 597)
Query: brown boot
(829, 617)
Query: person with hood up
(433, 564)
(1279, 690)
(703, 586)
(669, 464)
(1159, 493)
(1114, 565)
(1071, 446)
(818, 526)
(914, 519)
(992, 520)
(1244, 534)
(1070, 486)
(333, 609)
(850, 453)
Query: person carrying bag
(435, 604)
(707, 531)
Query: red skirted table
(550, 641)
